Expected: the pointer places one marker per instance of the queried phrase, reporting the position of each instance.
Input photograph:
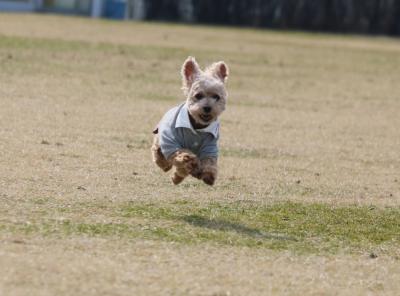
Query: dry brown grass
(88, 267)
(310, 118)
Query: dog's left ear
(219, 70)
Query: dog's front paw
(208, 178)
(188, 162)
(176, 179)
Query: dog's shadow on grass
(222, 225)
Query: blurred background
(353, 16)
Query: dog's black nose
(207, 109)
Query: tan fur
(185, 163)
(208, 170)
(210, 86)
(158, 157)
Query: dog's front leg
(185, 163)
(208, 170)
(158, 157)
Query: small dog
(187, 135)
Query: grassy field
(308, 195)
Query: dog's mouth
(206, 117)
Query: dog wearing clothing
(187, 136)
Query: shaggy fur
(203, 89)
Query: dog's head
(205, 90)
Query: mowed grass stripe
(308, 228)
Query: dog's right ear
(190, 71)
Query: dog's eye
(199, 96)
(216, 97)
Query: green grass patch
(304, 228)
(295, 226)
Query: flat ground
(308, 196)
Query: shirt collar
(183, 120)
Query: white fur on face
(205, 90)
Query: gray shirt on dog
(176, 132)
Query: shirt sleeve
(168, 142)
(209, 147)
